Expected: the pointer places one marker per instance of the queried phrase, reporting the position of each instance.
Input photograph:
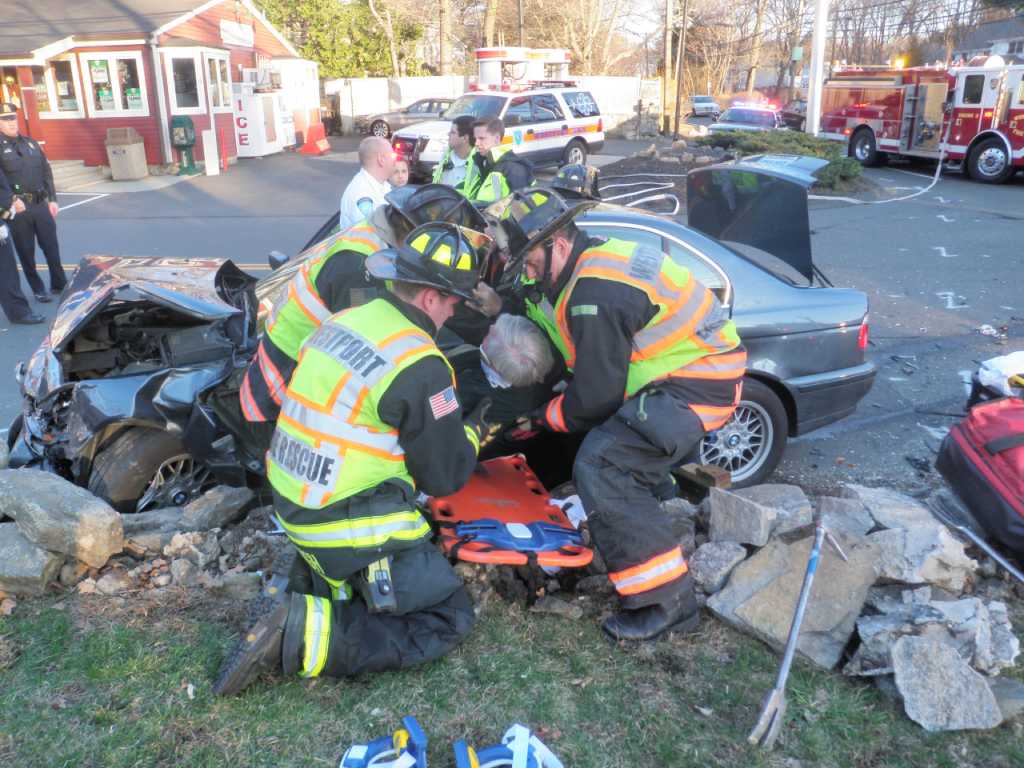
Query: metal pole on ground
(816, 77)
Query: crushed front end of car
(137, 342)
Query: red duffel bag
(982, 459)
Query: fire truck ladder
(911, 100)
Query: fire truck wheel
(989, 162)
(864, 148)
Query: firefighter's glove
(477, 421)
(485, 300)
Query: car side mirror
(276, 259)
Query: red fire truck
(970, 117)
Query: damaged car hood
(188, 286)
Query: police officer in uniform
(370, 418)
(29, 174)
(12, 300)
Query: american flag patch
(443, 403)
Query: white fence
(360, 97)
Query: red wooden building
(79, 68)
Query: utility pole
(816, 79)
(521, 24)
(444, 20)
(680, 67)
(755, 52)
(669, 13)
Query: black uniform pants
(433, 614)
(37, 223)
(12, 300)
(617, 470)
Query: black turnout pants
(617, 471)
(36, 223)
(12, 300)
(433, 614)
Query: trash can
(126, 152)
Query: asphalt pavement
(937, 268)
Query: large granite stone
(940, 690)
(762, 593)
(793, 508)
(889, 508)
(25, 569)
(216, 508)
(923, 555)
(58, 516)
(846, 515)
(712, 563)
(735, 518)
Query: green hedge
(840, 168)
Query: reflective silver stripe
(649, 574)
(360, 532)
(496, 185)
(676, 317)
(634, 270)
(317, 636)
(341, 430)
(308, 299)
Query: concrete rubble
(927, 554)
(58, 516)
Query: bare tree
(444, 19)
(490, 21)
(384, 20)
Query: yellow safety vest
(688, 337)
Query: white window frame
(111, 57)
(197, 61)
(226, 108)
(51, 90)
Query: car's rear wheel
(750, 446)
(989, 162)
(380, 128)
(575, 153)
(143, 469)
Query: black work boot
(678, 613)
(294, 635)
(259, 649)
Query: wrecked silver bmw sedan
(116, 397)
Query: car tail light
(862, 336)
(600, 125)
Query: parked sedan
(386, 123)
(131, 392)
(747, 118)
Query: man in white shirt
(367, 189)
(456, 168)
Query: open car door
(759, 201)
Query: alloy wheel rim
(379, 130)
(742, 446)
(575, 156)
(176, 481)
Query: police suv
(549, 126)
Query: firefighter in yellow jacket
(656, 363)
(370, 418)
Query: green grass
(839, 171)
(97, 683)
